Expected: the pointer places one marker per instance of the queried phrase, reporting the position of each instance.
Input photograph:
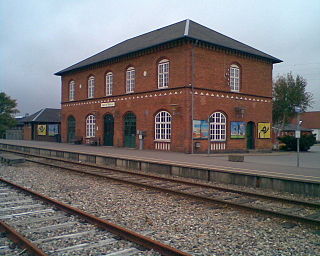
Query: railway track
(44, 226)
(301, 211)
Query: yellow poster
(42, 129)
(264, 131)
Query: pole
(192, 93)
(298, 140)
(209, 139)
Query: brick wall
(211, 88)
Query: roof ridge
(186, 29)
(38, 114)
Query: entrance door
(71, 129)
(250, 135)
(108, 130)
(130, 130)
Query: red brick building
(171, 89)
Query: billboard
(42, 129)
(264, 131)
(238, 130)
(200, 129)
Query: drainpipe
(192, 92)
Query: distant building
(311, 120)
(183, 87)
(290, 129)
(43, 125)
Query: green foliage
(306, 141)
(7, 110)
(289, 92)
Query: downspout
(192, 92)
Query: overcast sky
(41, 37)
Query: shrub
(290, 142)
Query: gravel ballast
(195, 227)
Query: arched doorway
(130, 130)
(71, 129)
(108, 130)
(250, 135)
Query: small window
(91, 126)
(163, 126)
(234, 78)
(163, 74)
(91, 87)
(72, 85)
(130, 80)
(218, 127)
(109, 83)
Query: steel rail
(197, 197)
(20, 240)
(306, 220)
(271, 197)
(132, 236)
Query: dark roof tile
(46, 115)
(180, 30)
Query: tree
(7, 110)
(290, 142)
(289, 92)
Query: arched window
(130, 80)
(218, 126)
(109, 83)
(91, 126)
(91, 87)
(72, 85)
(163, 126)
(163, 74)
(234, 78)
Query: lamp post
(298, 133)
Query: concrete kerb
(241, 178)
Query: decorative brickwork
(198, 78)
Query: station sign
(297, 109)
(108, 104)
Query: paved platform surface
(278, 164)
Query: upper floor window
(109, 83)
(218, 126)
(72, 86)
(130, 80)
(234, 78)
(91, 126)
(91, 87)
(163, 126)
(163, 74)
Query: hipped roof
(186, 29)
(46, 115)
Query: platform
(268, 170)
(11, 159)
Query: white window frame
(234, 78)
(91, 126)
(163, 74)
(130, 80)
(109, 83)
(72, 86)
(218, 127)
(162, 126)
(91, 85)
